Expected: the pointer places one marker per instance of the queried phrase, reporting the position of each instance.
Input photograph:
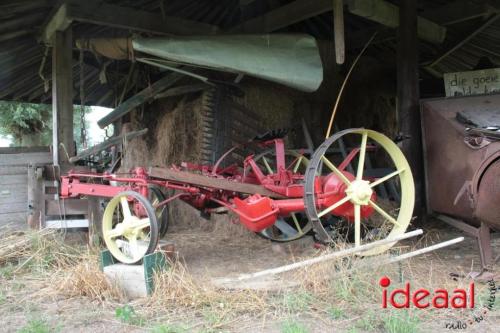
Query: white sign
(485, 81)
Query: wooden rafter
(300, 10)
(459, 11)
(121, 17)
(284, 16)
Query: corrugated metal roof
(21, 55)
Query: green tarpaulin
(290, 59)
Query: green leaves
(31, 124)
(23, 118)
(127, 315)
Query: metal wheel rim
(129, 229)
(155, 197)
(403, 171)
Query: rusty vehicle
(281, 194)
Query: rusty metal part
(204, 181)
(450, 163)
(482, 235)
(486, 191)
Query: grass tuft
(400, 322)
(292, 326)
(37, 326)
(127, 315)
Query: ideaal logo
(439, 299)
(423, 298)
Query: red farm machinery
(363, 195)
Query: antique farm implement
(280, 194)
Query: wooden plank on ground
(204, 181)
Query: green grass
(212, 317)
(7, 270)
(368, 322)
(297, 302)
(37, 326)
(291, 326)
(336, 313)
(400, 322)
(168, 328)
(126, 314)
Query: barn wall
(15, 183)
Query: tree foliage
(31, 124)
(21, 119)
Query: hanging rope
(83, 130)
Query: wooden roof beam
(387, 14)
(121, 17)
(380, 11)
(284, 16)
(460, 11)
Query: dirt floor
(44, 293)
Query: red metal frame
(256, 212)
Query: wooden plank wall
(14, 165)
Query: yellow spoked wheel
(296, 225)
(360, 214)
(129, 237)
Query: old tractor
(354, 195)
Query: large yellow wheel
(129, 237)
(365, 218)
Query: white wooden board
(485, 81)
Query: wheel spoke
(268, 167)
(134, 248)
(335, 205)
(113, 233)
(127, 214)
(140, 224)
(297, 164)
(285, 228)
(296, 222)
(357, 225)
(384, 213)
(387, 177)
(335, 170)
(362, 154)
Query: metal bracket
(482, 235)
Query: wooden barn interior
(389, 61)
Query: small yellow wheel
(129, 237)
(363, 210)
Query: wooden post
(338, 30)
(408, 92)
(62, 96)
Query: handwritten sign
(485, 81)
